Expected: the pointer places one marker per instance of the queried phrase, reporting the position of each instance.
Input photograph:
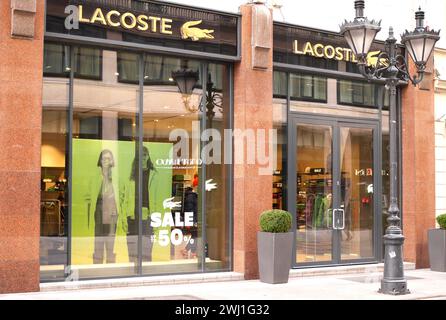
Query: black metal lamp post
(391, 67)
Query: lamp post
(391, 67)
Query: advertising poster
(104, 200)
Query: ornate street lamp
(391, 67)
(361, 32)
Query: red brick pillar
(21, 63)
(252, 110)
(418, 160)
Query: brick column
(252, 110)
(21, 63)
(418, 161)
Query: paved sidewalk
(423, 284)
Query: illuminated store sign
(145, 23)
(324, 51)
(127, 20)
(331, 52)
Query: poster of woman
(105, 222)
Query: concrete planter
(275, 255)
(437, 250)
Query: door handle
(343, 219)
(336, 222)
(334, 219)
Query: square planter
(437, 250)
(275, 255)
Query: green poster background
(86, 181)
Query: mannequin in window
(130, 205)
(101, 198)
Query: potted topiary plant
(275, 246)
(437, 246)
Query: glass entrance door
(314, 193)
(357, 193)
(331, 191)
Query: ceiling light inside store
(171, 79)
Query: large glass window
(280, 85)
(216, 178)
(87, 62)
(198, 188)
(104, 175)
(55, 60)
(360, 94)
(54, 161)
(308, 88)
(144, 200)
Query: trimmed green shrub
(275, 221)
(442, 221)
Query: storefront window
(104, 175)
(198, 188)
(217, 250)
(174, 181)
(54, 158)
(167, 212)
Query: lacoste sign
(138, 22)
(333, 53)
